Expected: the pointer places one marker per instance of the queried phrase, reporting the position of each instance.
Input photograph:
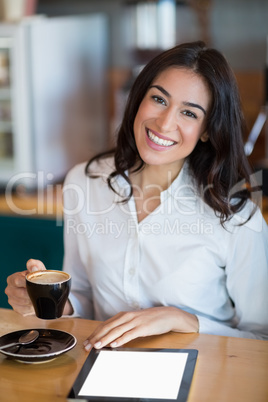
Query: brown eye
(189, 113)
(158, 99)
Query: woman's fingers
(128, 336)
(124, 327)
(107, 330)
(16, 288)
(22, 309)
(17, 280)
(17, 294)
(35, 265)
(114, 335)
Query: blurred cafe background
(66, 67)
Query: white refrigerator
(53, 97)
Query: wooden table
(227, 369)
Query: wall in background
(238, 28)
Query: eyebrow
(161, 89)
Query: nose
(167, 120)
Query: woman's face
(172, 117)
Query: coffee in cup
(48, 291)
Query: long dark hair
(217, 165)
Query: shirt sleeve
(81, 294)
(246, 282)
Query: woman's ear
(204, 137)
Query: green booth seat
(23, 238)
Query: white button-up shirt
(179, 255)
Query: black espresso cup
(48, 291)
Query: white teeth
(159, 141)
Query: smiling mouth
(159, 141)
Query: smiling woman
(172, 118)
(218, 164)
(167, 237)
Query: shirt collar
(183, 186)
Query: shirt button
(135, 305)
(131, 271)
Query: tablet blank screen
(135, 374)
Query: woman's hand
(16, 288)
(125, 326)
